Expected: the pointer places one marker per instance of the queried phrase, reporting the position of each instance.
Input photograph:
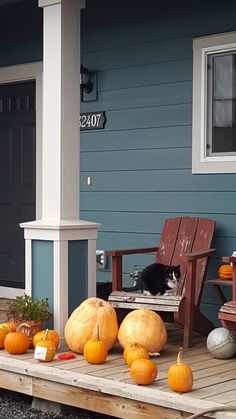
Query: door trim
(20, 73)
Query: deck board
(101, 387)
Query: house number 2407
(92, 120)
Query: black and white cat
(157, 278)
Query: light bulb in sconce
(89, 181)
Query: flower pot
(30, 328)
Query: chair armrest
(229, 259)
(123, 252)
(117, 263)
(198, 255)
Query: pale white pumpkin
(145, 327)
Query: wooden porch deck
(108, 389)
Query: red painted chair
(185, 241)
(227, 313)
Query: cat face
(172, 276)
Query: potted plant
(29, 313)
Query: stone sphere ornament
(221, 343)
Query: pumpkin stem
(153, 354)
(46, 335)
(179, 356)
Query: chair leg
(201, 323)
(185, 318)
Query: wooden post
(189, 304)
(116, 273)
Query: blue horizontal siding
(154, 180)
(140, 163)
(141, 53)
(176, 158)
(145, 138)
(145, 75)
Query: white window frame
(201, 163)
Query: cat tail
(131, 289)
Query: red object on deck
(67, 355)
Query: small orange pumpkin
(133, 352)
(3, 334)
(16, 343)
(226, 271)
(180, 376)
(143, 371)
(52, 336)
(5, 328)
(128, 346)
(49, 353)
(95, 350)
(11, 326)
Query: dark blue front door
(17, 176)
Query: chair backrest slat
(203, 240)
(184, 235)
(168, 239)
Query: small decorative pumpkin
(81, 324)
(225, 272)
(10, 326)
(180, 376)
(133, 352)
(128, 346)
(45, 350)
(52, 336)
(3, 334)
(16, 343)
(143, 371)
(95, 350)
(5, 328)
(136, 322)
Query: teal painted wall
(78, 272)
(42, 271)
(140, 163)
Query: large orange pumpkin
(145, 327)
(16, 343)
(81, 325)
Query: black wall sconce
(86, 86)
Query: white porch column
(60, 221)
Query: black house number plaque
(92, 120)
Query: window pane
(221, 135)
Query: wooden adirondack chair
(227, 313)
(185, 241)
